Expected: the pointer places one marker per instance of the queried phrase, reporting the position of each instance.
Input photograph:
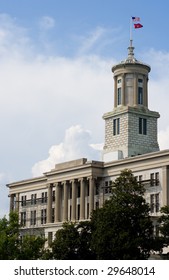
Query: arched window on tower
(119, 91)
(119, 96)
(140, 91)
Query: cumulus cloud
(76, 144)
(43, 95)
(46, 22)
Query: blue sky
(56, 81)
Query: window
(44, 197)
(116, 126)
(23, 200)
(119, 81)
(152, 203)
(23, 219)
(140, 95)
(53, 196)
(155, 203)
(43, 216)
(154, 179)
(33, 218)
(119, 96)
(53, 215)
(97, 204)
(140, 81)
(78, 211)
(142, 126)
(33, 198)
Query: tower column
(115, 91)
(49, 204)
(123, 89)
(145, 97)
(135, 93)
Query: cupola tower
(130, 128)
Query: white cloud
(47, 22)
(43, 95)
(76, 144)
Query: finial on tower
(131, 51)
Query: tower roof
(131, 60)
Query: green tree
(66, 242)
(12, 247)
(72, 242)
(9, 232)
(31, 248)
(122, 228)
(164, 223)
(164, 228)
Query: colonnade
(135, 89)
(67, 191)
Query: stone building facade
(71, 190)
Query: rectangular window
(154, 179)
(143, 126)
(78, 211)
(157, 182)
(53, 215)
(43, 216)
(97, 204)
(157, 202)
(116, 126)
(33, 218)
(23, 219)
(23, 200)
(44, 197)
(119, 96)
(119, 81)
(33, 198)
(53, 196)
(140, 95)
(140, 80)
(152, 203)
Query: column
(57, 202)
(65, 201)
(145, 96)
(11, 202)
(74, 198)
(91, 194)
(17, 202)
(165, 185)
(123, 89)
(82, 198)
(135, 90)
(115, 91)
(49, 205)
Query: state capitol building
(71, 190)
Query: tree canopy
(72, 242)
(122, 228)
(13, 247)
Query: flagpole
(131, 32)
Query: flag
(138, 25)
(136, 18)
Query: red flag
(138, 25)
